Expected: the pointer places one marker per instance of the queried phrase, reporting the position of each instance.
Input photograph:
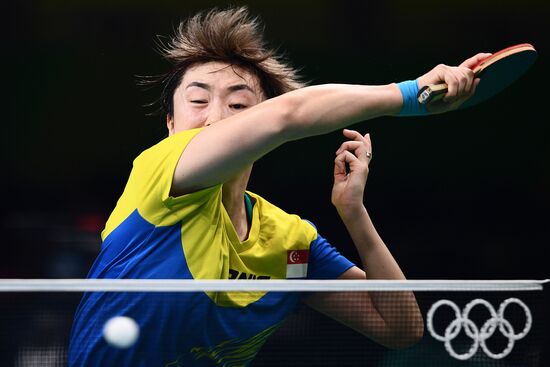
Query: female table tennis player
(185, 212)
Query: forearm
(321, 109)
(245, 137)
(399, 310)
(375, 256)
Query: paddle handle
(431, 92)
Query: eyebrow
(232, 88)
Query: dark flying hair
(231, 36)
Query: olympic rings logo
(479, 336)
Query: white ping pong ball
(121, 331)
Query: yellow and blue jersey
(151, 235)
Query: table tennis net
(419, 323)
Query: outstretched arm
(222, 150)
(390, 318)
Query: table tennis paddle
(495, 72)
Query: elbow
(406, 335)
(406, 339)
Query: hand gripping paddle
(495, 72)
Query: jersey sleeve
(325, 261)
(148, 187)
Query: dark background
(464, 195)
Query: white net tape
(173, 285)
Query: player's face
(211, 92)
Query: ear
(170, 124)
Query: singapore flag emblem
(296, 263)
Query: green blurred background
(461, 195)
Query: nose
(215, 114)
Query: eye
(238, 106)
(199, 101)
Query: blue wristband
(411, 106)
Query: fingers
(474, 60)
(353, 156)
(352, 134)
(474, 86)
(360, 146)
(351, 146)
(459, 82)
(459, 79)
(341, 160)
(340, 166)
